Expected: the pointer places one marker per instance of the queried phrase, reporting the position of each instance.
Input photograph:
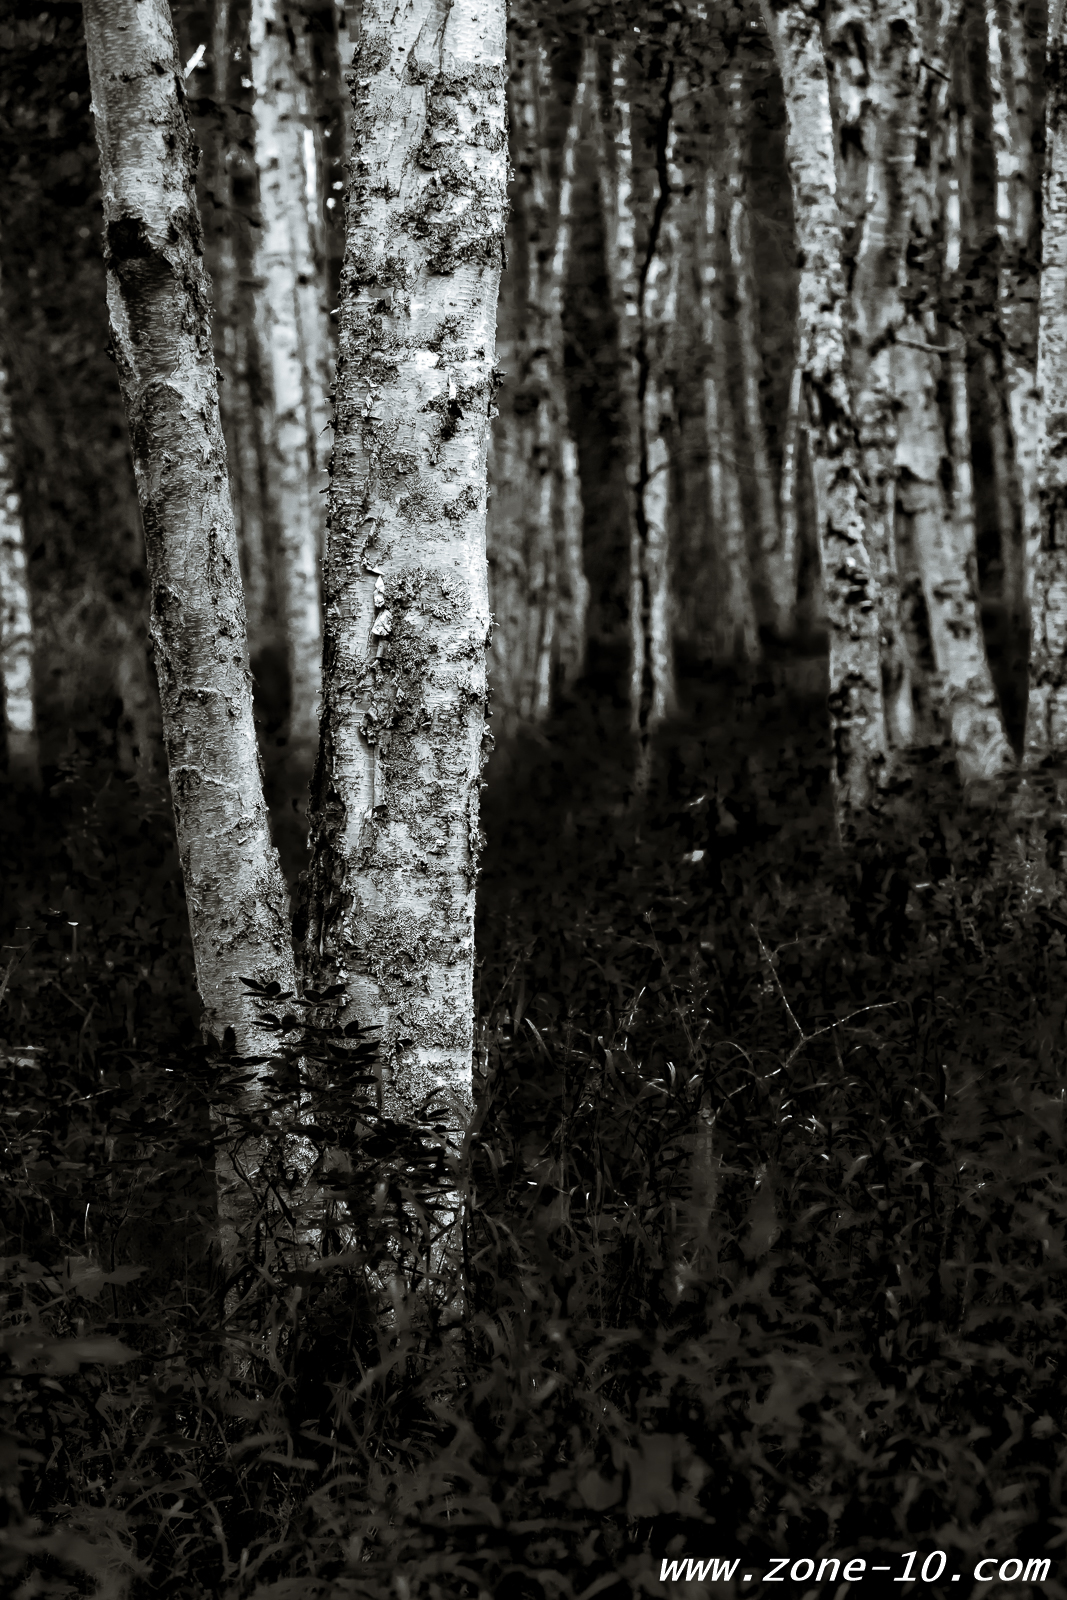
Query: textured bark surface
(286, 288)
(16, 618)
(390, 892)
(878, 58)
(856, 703)
(161, 337)
(1046, 715)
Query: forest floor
(766, 1252)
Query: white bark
(877, 87)
(944, 549)
(659, 316)
(158, 300)
(735, 635)
(16, 617)
(390, 894)
(287, 284)
(856, 705)
(1046, 717)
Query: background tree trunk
(857, 713)
(390, 892)
(16, 618)
(285, 269)
(735, 632)
(1046, 716)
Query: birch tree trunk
(637, 311)
(735, 634)
(16, 618)
(1046, 714)
(390, 891)
(284, 267)
(158, 304)
(545, 495)
(857, 713)
(944, 533)
(877, 85)
(1017, 276)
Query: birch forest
(533, 798)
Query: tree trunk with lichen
(388, 905)
(16, 619)
(1046, 715)
(158, 300)
(857, 714)
(285, 269)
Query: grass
(764, 1251)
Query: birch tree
(16, 617)
(735, 634)
(390, 891)
(1046, 714)
(857, 712)
(777, 559)
(1014, 90)
(639, 299)
(539, 590)
(943, 532)
(158, 302)
(286, 272)
(878, 49)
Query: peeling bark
(389, 898)
(1046, 716)
(287, 284)
(16, 618)
(857, 713)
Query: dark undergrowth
(764, 1243)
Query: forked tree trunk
(735, 631)
(285, 267)
(857, 713)
(16, 618)
(1046, 715)
(390, 891)
(158, 299)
